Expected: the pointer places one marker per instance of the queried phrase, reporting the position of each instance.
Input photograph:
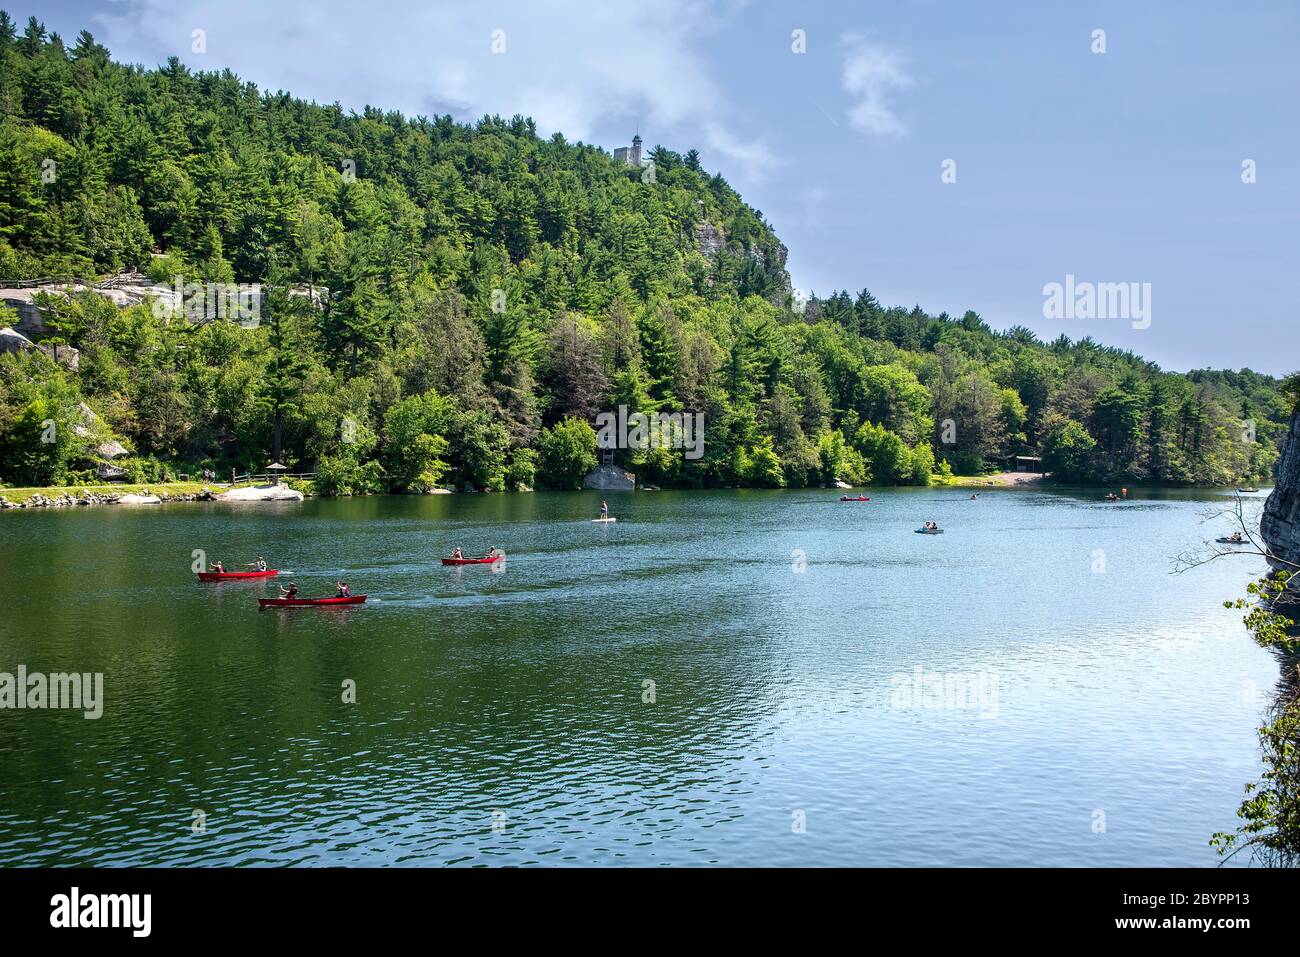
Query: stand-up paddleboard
(601, 520)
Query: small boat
(1247, 490)
(852, 498)
(472, 561)
(1232, 541)
(310, 602)
(604, 520)
(224, 576)
(929, 531)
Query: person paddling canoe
(457, 553)
(492, 552)
(343, 590)
(260, 564)
(217, 567)
(290, 592)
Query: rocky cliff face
(1280, 524)
(711, 240)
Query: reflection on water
(721, 677)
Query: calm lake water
(1097, 709)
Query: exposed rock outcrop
(709, 239)
(132, 498)
(1280, 524)
(262, 493)
(610, 478)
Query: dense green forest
(447, 303)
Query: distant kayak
(1247, 490)
(222, 576)
(604, 520)
(1232, 541)
(929, 531)
(851, 498)
(472, 561)
(309, 602)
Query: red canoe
(222, 576)
(471, 561)
(860, 498)
(309, 602)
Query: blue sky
(1122, 166)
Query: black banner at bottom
(335, 906)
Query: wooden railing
(267, 476)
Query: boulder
(610, 478)
(131, 498)
(262, 493)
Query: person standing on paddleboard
(604, 509)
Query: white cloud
(872, 75)
(574, 67)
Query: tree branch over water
(1271, 810)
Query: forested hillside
(447, 303)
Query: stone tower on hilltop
(630, 155)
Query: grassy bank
(997, 480)
(163, 490)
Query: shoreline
(165, 493)
(150, 493)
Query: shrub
(566, 453)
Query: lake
(721, 677)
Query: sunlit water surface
(719, 678)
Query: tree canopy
(446, 303)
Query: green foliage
(1068, 450)
(344, 475)
(840, 461)
(417, 447)
(521, 473)
(566, 454)
(1271, 811)
(437, 296)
